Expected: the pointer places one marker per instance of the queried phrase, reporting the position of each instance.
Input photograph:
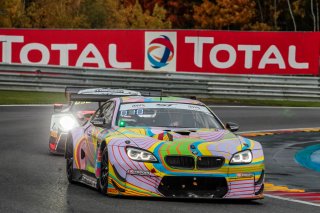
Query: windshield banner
(200, 51)
(141, 106)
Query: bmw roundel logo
(160, 52)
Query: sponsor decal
(160, 51)
(138, 172)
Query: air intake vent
(180, 162)
(210, 162)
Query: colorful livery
(164, 147)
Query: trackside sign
(276, 53)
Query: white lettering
(7, 46)
(113, 59)
(266, 58)
(96, 59)
(292, 59)
(223, 47)
(45, 55)
(248, 57)
(64, 52)
(198, 47)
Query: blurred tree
(179, 12)
(224, 14)
(187, 14)
(292, 15)
(56, 14)
(12, 14)
(136, 18)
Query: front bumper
(57, 142)
(193, 186)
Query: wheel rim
(104, 170)
(69, 167)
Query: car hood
(176, 141)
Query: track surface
(266, 118)
(34, 181)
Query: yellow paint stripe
(283, 131)
(269, 187)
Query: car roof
(143, 99)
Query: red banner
(276, 53)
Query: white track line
(278, 130)
(292, 200)
(261, 107)
(26, 105)
(214, 106)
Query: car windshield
(170, 115)
(84, 106)
(83, 110)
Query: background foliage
(259, 15)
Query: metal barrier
(55, 79)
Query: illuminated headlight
(140, 155)
(244, 157)
(67, 123)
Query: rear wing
(91, 97)
(148, 92)
(75, 90)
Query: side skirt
(85, 178)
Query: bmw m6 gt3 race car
(82, 104)
(163, 147)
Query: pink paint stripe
(242, 190)
(238, 186)
(241, 183)
(136, 165)
(134, 176)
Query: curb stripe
(294, 195)
(277, 132)
(292, 200)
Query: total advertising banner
(202, 51)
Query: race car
(163, 147)
(82, 104)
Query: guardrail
(55, 79)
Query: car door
(92, 133)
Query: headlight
(244, 157)
(67, 123)
(140, 155)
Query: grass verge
(254, 102)
(22, 97)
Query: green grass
(21, 97)
(254, 102)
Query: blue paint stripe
(309, 157)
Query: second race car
(82, 104)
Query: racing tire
(69, 168)
(102, 183)
(69, 161)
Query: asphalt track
(31, 180)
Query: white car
(82, 104)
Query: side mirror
(233, 127)
(100, 122)
(57, 107)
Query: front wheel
(69, 159)
(104, 174)
(69, 168)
